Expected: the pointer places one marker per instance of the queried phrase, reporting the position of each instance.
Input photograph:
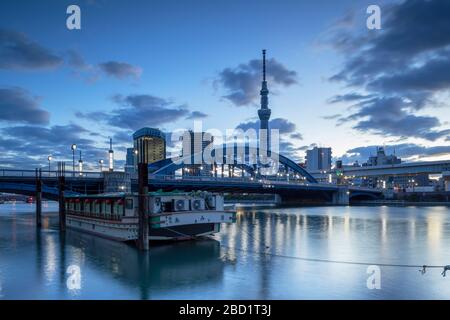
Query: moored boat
(172, 215)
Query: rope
(422, 270)
(180, 233)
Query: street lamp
(100, 162)
(135, 159)
(111, 156)
(49, 158)
(73, 147)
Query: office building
(194, 145)
(150, 145)
(129, 163)
(318, 159)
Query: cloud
(27, 146)
(401, 69)
(288, 149)
(332, 117)
(17, 52)
(59, 135)
(195, 115)
(349, 97)
(76, 60)
(287, 131)
(120, 70)
(92, 72)
(433, 75)
(140, 110)
(296, 135)
(243, 82)
(283, 125)
(391, 117)
(123, 137)
(17, 105)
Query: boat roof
(109, 195)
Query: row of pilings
(143, 222)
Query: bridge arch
(170, 165)
(361, 195)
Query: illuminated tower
(111, 156)
(264, 112)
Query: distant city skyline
(163, 64)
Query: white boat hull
(170, 226)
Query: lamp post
(49, 158)
(73, 147)
(100, 162)
(111, 156)
(135, 162)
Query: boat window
(129, 204)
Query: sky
(333, 82)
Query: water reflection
(168, 265)
(33, 264)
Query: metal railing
(250, 180)
(49, 174)
(265, 181)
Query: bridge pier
(446, 177)
(143, 232)
(341, 197)
(38, 198)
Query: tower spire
(264, 112)
(264, 64)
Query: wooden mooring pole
(143, 207)
(38, 198)
(62, 205)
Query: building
(194, 144)
(264, 112)
(149, 145)
(381, 159)
(318, 159)
(130, 166)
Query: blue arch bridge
(233, 175)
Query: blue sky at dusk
(164, 64)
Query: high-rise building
(194, 144)
(264, 112)
(318, 159)
(149, 145)
(130, 166)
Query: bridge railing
(266, 182)
(49, 174)
(229, 179)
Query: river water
(251, 259)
